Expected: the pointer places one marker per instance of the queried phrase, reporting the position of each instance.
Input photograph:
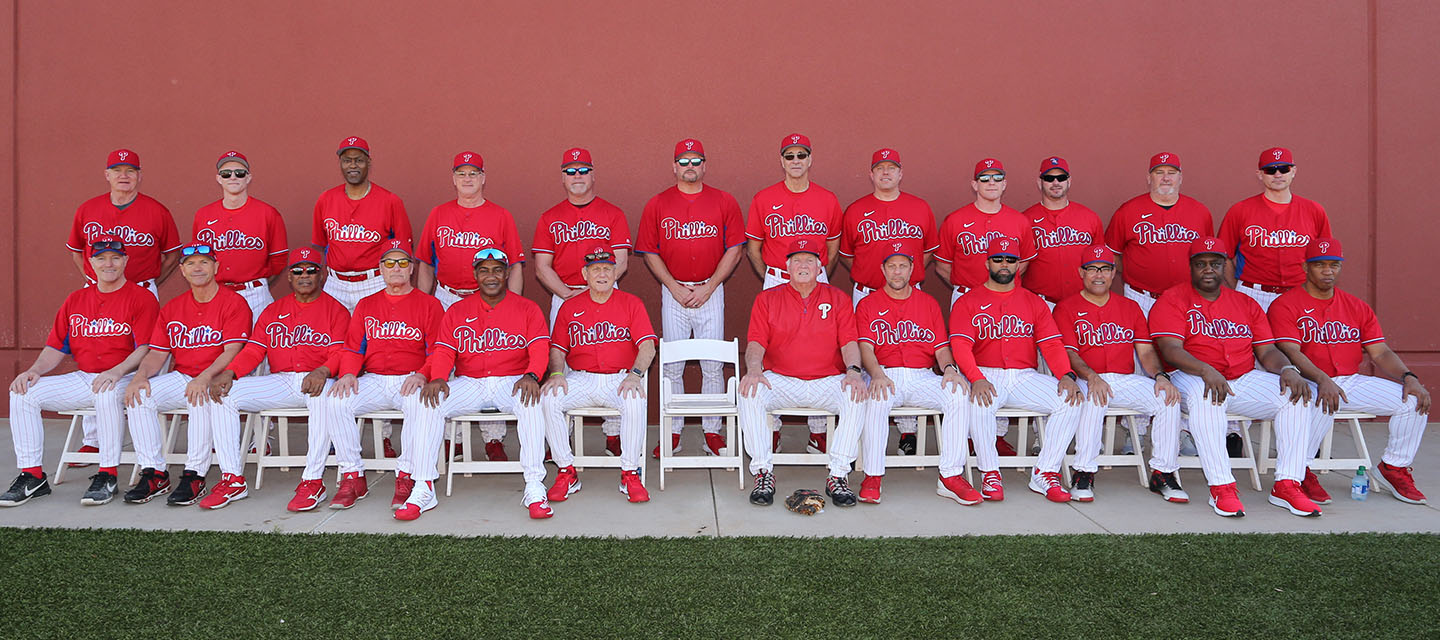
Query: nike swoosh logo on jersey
(1039, 220)
(1197, 306)
(884, 312)
(213, 221)
(867, 213)
(284, 316)
(1083, 313)
(967, 225)
(1309, 311)
(579, 313)
(984, 307)
(774, 207)
(1145, 215)
(478, 317)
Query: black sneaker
(907, 444)
(764, 492)
(188, 490)
(24, 488)
(152, 483)
(101, 491)
(838, 489)
(1234, 445)
(1168, 486)
(1082, 487)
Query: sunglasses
(1004, 259)
(391, 263)
(991, 177)
(304, 271)
(796, 156)
(1282, 169)
(107, 245)
(1049, 177)
(199, 249)
(1098, 268)
(468, 174)
(238, 173)
(584, 171)
(491, 254)
(689, 162)
(599, 257)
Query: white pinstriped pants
(470, 395)
(914, 387)
(1141, 298)
(775, 277)
(1033, 391)
(1137, 393)
(1257, 396)
(275, 391)
(1369, 394)
(167, 393)
(73, 391)
(1262, 297)
(375, 392)
(489, 430)
(680, 323)
(586, 389)
(350, 293)
(610, 426)
(784, 391)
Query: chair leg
(664, 450)
(735, 441)
(450, 427)
(75, 422)
(1250, 453)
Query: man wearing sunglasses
(995, 330)
(248, 235)
(301, 336)
(353, 224)
(390, 334)
(967, 233)
(793, 209)
(457, 229)
(1269, 232)
(605, 341)
(1151, 233)
(202, 328)
(1064, 230)
(498, 344)
(143, 224)
(691, 236)
(567, 230)
(105, 329)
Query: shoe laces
(1050, 478)
(1168, 479)
(99, 480)
(311, 487)
(765, 481)
(839, 484)
(992, 480)
(1083, 479)
(1227, 491)
(568, 473)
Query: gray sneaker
(1187, 444)
(101, 491)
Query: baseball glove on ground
(805, 501)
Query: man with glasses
(353, 223)
(1269, 232)
(202, 328)
(967, 233)
(498, 344)
(1063, 231)
(995, 330)
(691, 237)
(605, 340)
(301, 336)
(143, 224)
(1151, 233)
(248, 235)
(106, 329)
(390, 334)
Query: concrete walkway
(710, 503)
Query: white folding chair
(921, 459)
(577, 417)
(1022, 458)
(699, 405)
(1247, 462)
(813, 459)
(1108, 457)
(1325, 462)
(466, 464)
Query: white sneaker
(422, 499)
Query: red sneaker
(775, 442)
(612, 446)
(1047, 483)
(308, 495)
(458, 453)
(816, 444)
(389, 450)
(1401, 483)
(631, 487)
(230, 488)
(870, 489)
(540, 509)
(1225, 500)
(674, 446)
(1288, 495)
(421, 500)
(566, 483)
(494, 451)
(957, 488)
(404, 484)
(1311, 486)
(1003, 448)
(84, 449)
(714, 444)
(352, 488)
(991, 487)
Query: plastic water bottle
(1360, 486)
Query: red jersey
(905, 333)
(602, 337)
(965, 240)
(802, 336)
(479, 341)
(350, 231)
(250, 241)
(874, 230)
(145, 226)
(779, 216)
(1156, 241)
(196, 333)
(1331, 333)
(1060, 237)
(564, 231)
(1268, 239)
(690, 233)
(99, 330)
(1103, 335)
(1002, 330)
(391, 335)
(454, 233)
(296, 337)
(1222, 334)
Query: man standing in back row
(1063, 231)
(1151, 233)
(247, 234)
(352, 223)
(967, 232)
(1269, 232)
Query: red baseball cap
(1275, 156)
(988, 164)
(1165, 159)
(1054, 162)
(469, 158)
(1097, 253)
(689, 145)
(803, 246)
(1324, 249)
(795, 140)
(232, 156)
(395, 244)
(353, 142)
(1003, 247)
(576, 155)
(307, 254)
(122, 156)
(1208, 244)
(885, 155)
(600, 253)
(106, 242)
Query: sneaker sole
(1174, 499)
(243, 495)
(1283, 504)
(38, 493)
(1225, 514)
(1407, 500)
(1046, 492)
(625, 492)
(869, 500)
(91, 502)
(838, 502)
(1075, 497)
(941, 491)
(150, 497)
(762, 502)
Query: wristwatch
(951, 366)
(532, 376)
(638, 373)
(854, 368)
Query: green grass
(94, 583)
